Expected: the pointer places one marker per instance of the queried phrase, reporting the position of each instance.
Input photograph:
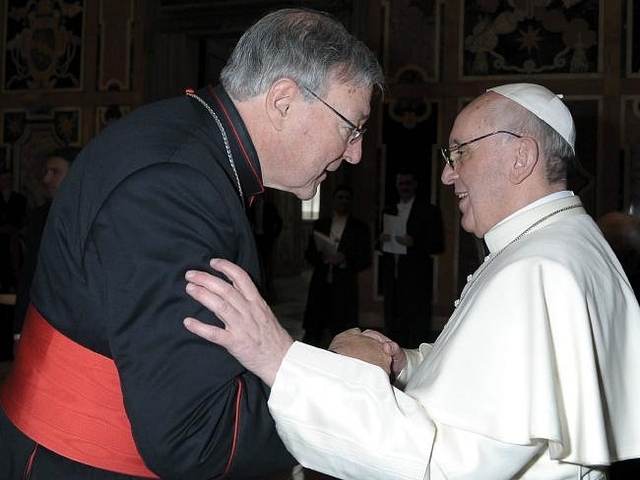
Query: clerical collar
(524, 219)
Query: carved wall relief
(526, 37)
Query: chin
(306, 194)
(469, 228)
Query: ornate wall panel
(411, 39)
(106, 115)
(115, 40)
(530, 37)
(43, 45)
(69, 68)
(409, 132)
(410, 43)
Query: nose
(353, 153)
(448, 175)
(48, 177)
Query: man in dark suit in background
(339, 248)
(411, 233)
(56, 169)
(13, 209)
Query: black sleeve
(195, 412)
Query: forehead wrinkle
(483, 115)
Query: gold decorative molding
(531, 37)
(411, 37)
(108, 114)
(43, 45)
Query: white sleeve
(414, 358)
(341, 416)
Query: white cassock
(535, 376)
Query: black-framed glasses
(356, 132)
(447, 151)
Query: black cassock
(152, 196)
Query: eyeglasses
(447, 151)
(356, 132)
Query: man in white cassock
(535, 375)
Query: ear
(279, 101)
(526, 160)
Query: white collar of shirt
(508, 229)
(405, 207)
(338, 223)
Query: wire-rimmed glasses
(356, 132)
(447, 151)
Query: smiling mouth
(462, 195)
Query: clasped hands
(372, 347)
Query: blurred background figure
(13, 209)
(411, 233)
(339, 247)
(266, 223)
(622, 231)
(56, 169)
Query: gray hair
(555, 149)
(304, 45)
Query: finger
(218, 304)
(240, 279)
(389, 348)
(215, 293)
(375, 335)
(352, 330)
(208, 332)
(216, 285)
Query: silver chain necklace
(484, 266)
(226, 143)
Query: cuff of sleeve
(414, 358)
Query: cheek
(486, 208)
(323, 155)
(303, 169)
(469, 221)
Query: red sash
(68, 399)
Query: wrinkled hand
(252, 334)
(353, 343)
(398, 356)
